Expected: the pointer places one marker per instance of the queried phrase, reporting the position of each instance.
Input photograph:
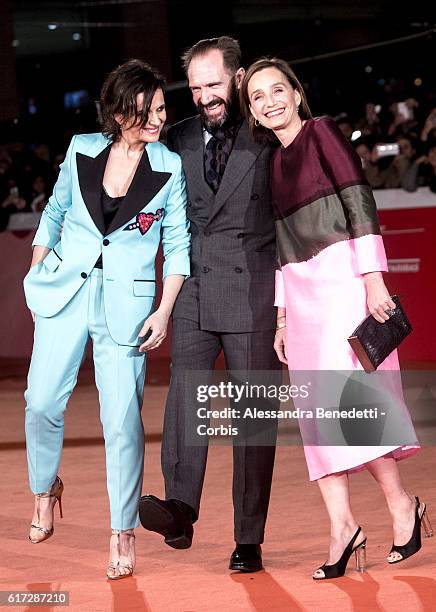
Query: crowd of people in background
(396, 144)
(27, 175)
(396, 148)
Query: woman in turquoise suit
(93, 276)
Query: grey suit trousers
(184, 465)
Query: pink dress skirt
(325, 300)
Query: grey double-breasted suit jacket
(233, 253)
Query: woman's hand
(377, 296)
(157, 323)
(280, 345)
(38, 255)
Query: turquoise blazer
(72, 226)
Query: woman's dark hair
(261, 134)
(228, 46)
(119, 93)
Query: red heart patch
(145, 221)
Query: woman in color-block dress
(331, 258)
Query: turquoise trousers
(58, 350)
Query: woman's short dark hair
(260, 133)
(119, 93)
(228, 46)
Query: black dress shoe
(171, 518)
(246, 558)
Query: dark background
(88, 38)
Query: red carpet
(197, 580)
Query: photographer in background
(428, 132)
(402, 162)
(373, 168)
(422, 173)
(38, 189)
(371, 125)
(404, 121)
(11, 200)
(387, 164)
(12, 203)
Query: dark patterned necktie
(216, 155)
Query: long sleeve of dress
(344, 168)
(279, 290)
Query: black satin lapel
(145, 184)
(90, 172)
(193, 161)
(242, 157)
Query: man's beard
(231, 110)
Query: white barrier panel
(392, 199)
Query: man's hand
(157, 323)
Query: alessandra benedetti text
(297, 413)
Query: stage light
(356, 134)
(15, 43)
(418, 82)
(381, 82)
(52, 26)
(368, 69)
(77, 36)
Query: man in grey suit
(226, 304)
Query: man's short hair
(228, 46)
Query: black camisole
(110, 208)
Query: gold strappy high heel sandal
(56, 491)
(116, 571)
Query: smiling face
(133, 132)
(273, 100)
(213, 88)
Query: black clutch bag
(373, 341)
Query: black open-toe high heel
(414, 544)
(338, 569)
